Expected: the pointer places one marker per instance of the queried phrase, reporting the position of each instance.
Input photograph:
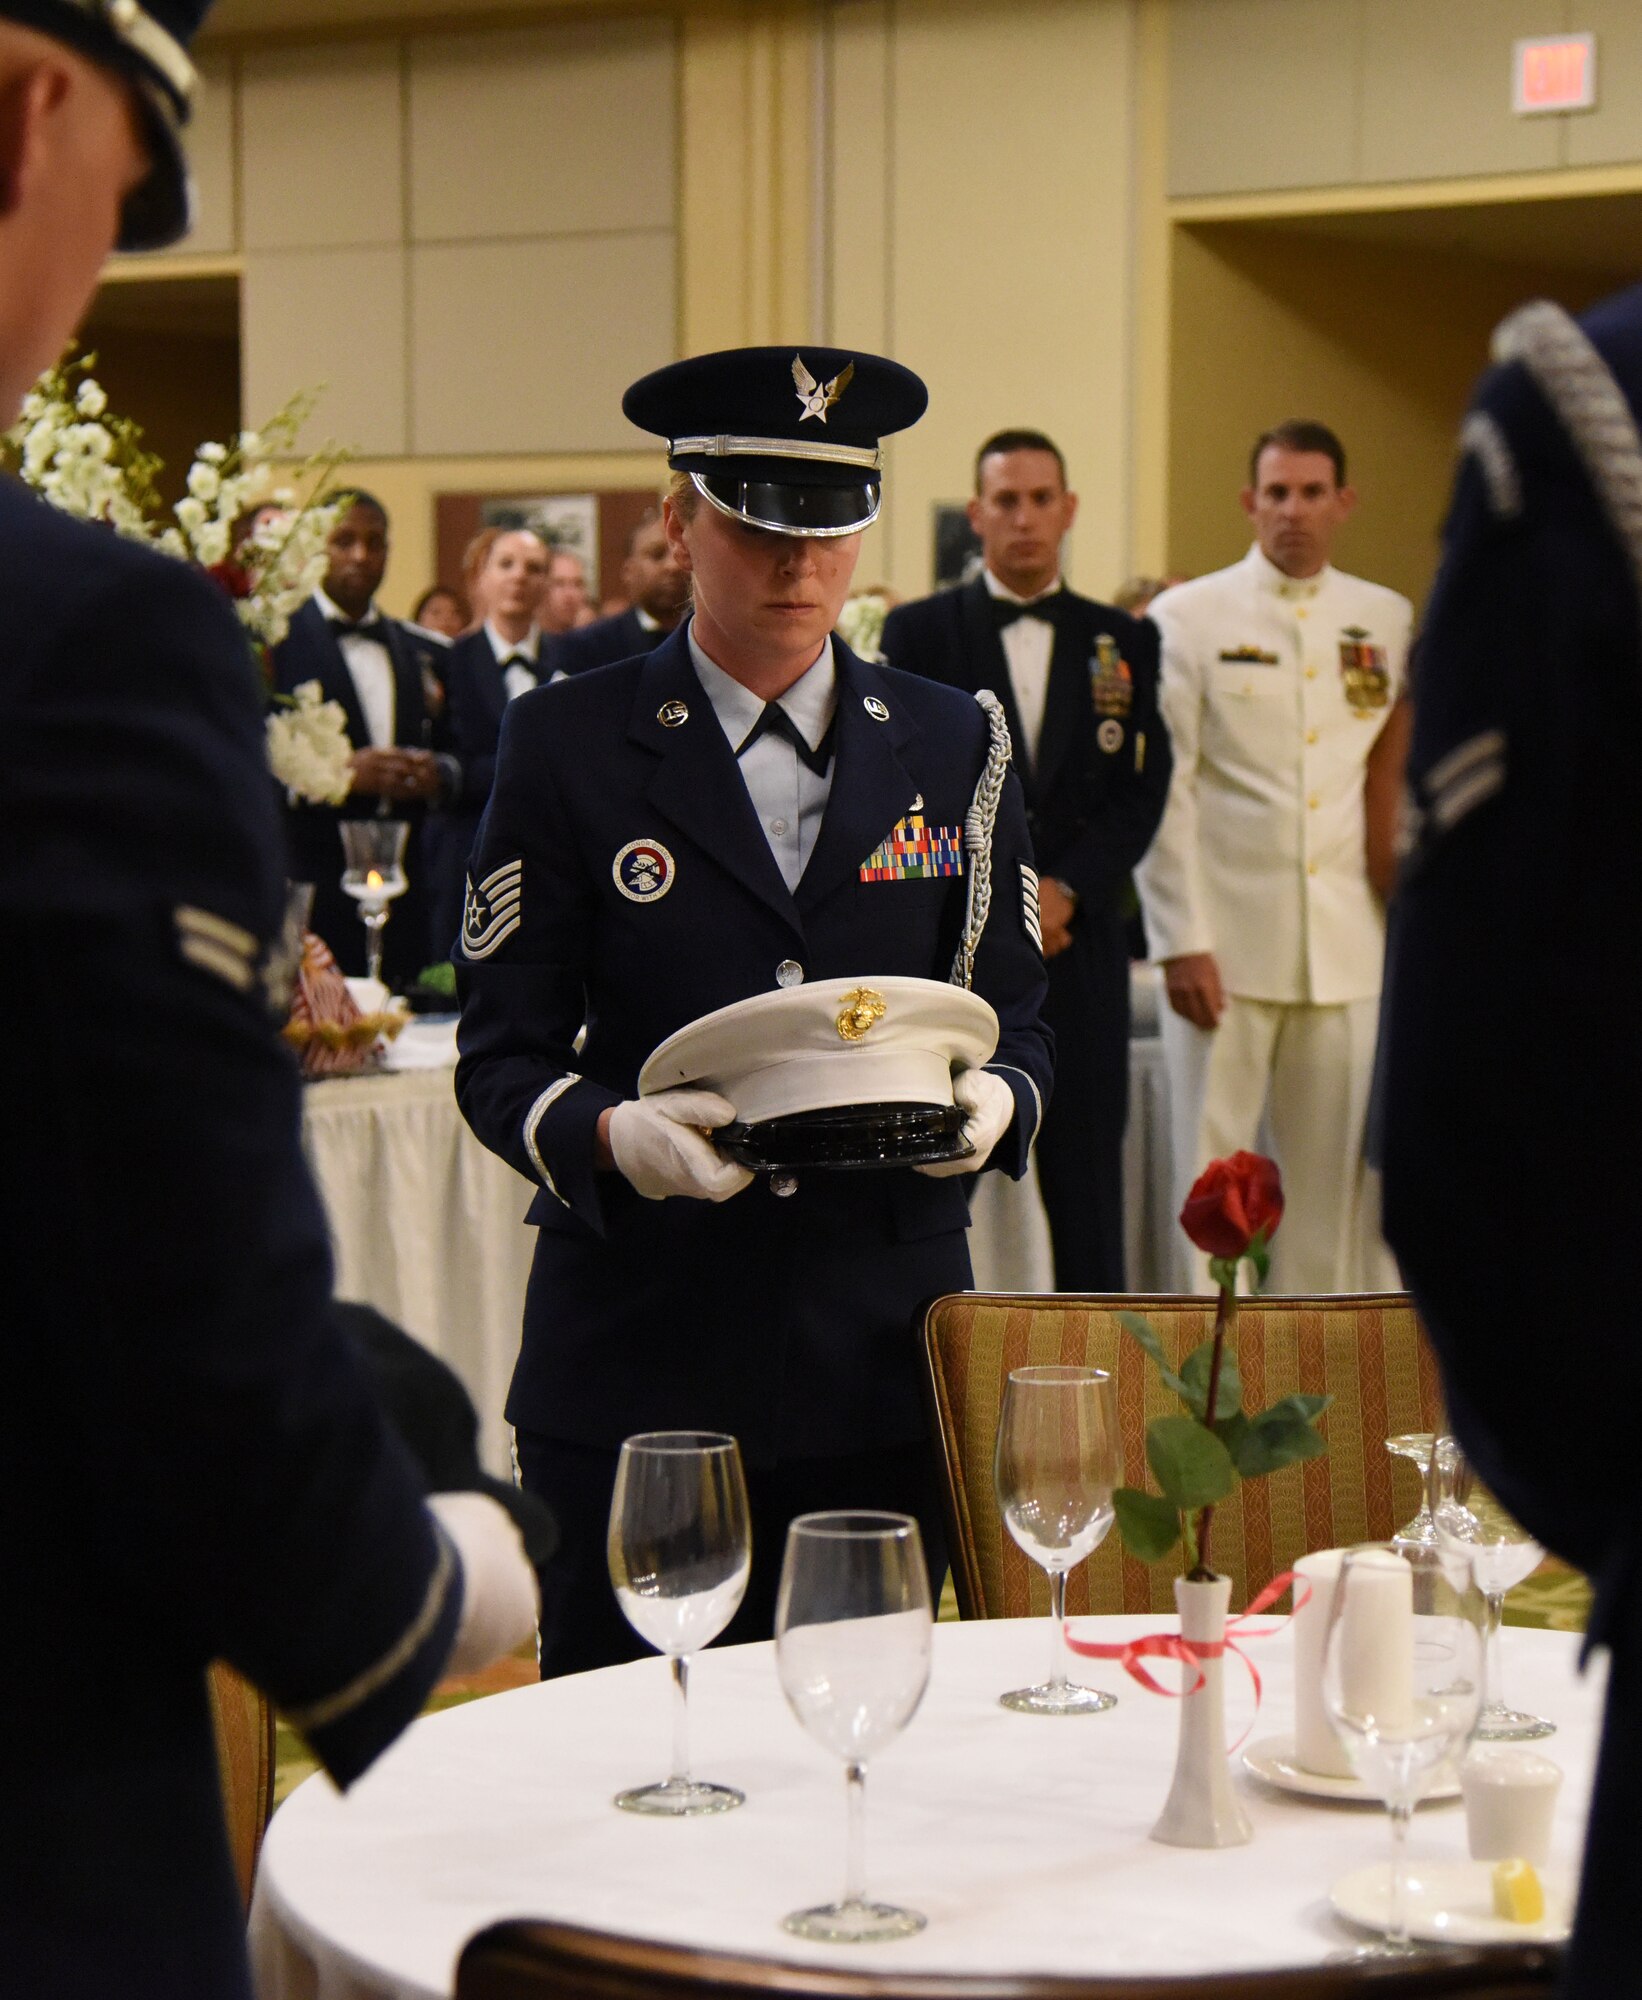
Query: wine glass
(1416, 1446)
(1502, 1554)
(1402, 1684)
(852, 1641)
(374, 850)
(1056, 1468)
(680, 1549)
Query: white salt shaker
(1510, 1800)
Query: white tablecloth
(1023, 1839)
(426, 1225)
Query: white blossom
(308, 748)
(204, 481)
(89, 399)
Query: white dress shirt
(787, 795)
(518, 660)
(1261, 856)
(371, 665)
(1028, 648)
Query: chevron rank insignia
(1031, 916)
(916, 852)
(226, 950)
(492, 911)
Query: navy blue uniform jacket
(1510, 1094)
(190, 1464)
(786, 1321)
(601, 644)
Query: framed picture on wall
(957, 546)
(594, 526)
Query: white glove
(499, 1602)
(990, 1105)
(660, 1144)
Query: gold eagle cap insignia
(819, 397)
(863, 1010)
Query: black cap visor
(788, 508)
(159, 211)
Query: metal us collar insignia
(491, 913)
(644, 871)
(672, 715)
(818, 398)
(863, 1010)
(875, 708)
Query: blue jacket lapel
(989, 668)
(871, 788)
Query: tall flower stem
(1225, 1318)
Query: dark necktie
(775, 721)
(366, 628)
(1005, 610)
(518, 660)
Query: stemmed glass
(852, 1642)
(1402, 1684)
(680, 1549)
(1056, 1468)
(1502, 1554)
(374, 850)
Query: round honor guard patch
(643, 871)
(875, 708)
(1110, 735)
(672, 715)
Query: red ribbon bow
(1170, 1646)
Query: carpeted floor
(1555, 1598)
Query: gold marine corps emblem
(863, 1010)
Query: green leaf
(1150, 1527)
(1139, 1329)
(1228, 1398)
(1282, 1435)
(1190, 1463)
(1260, 1260)
(1231, 1432)
(1223, 1270)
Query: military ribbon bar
(916, 852)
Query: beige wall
(1382, 342)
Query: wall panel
(323, 146)
(331, 319)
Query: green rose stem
(1225, 1318)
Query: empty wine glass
(1056, 1468)
(1402, 1684)
(680, 1550)
(1416, 1447)
(1502, 1554)
(852, 1642)
(374, 851)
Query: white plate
(1452, 1902)
(1274, 1759)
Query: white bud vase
(1203, 1809)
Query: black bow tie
(366, 628)
(519, 660)
(1005, 610)
(775, 721)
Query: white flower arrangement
(861, 623)
(261, 539)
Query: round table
(1022, 1838)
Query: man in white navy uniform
(745, 809)
(1284, 695)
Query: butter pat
(1519, 1896)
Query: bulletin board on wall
(595, 525)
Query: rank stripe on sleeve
(1031, 915)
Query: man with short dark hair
(1283, 689)
(377, 669)
(191, 1464)
(658, 593)
(1079, 684)
(565, 606)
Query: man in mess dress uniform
(1283, 691)
(659, 594)
(191, 1465)
(1510, 1094)
(1078, 681)
(746, 808)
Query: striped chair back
(1367, 1352)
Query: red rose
(231, 576)
(1232, 1202)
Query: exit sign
(1557, 73)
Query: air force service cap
(839, 1072)
(146, 43)
(784, 438)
